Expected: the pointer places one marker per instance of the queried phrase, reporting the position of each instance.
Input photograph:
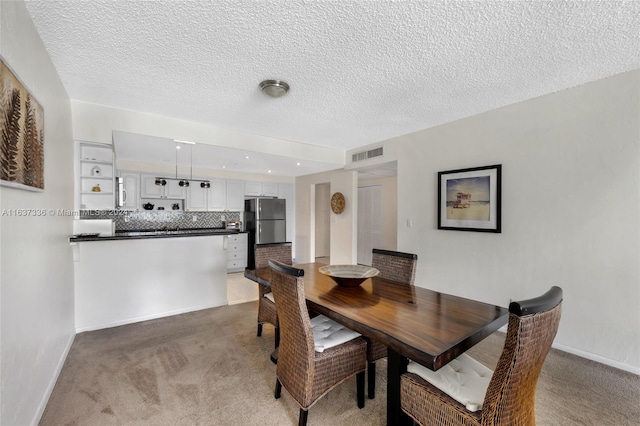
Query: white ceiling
(360, 71)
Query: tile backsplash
(130, 220)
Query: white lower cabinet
(236, 252)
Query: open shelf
(95, 168)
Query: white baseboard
(146, 317)
(598, 358)
(243, 300)
(590, 356)
(52, 383)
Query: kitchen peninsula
(137, 276)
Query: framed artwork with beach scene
(470, 199)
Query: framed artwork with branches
(22, 134)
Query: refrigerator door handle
(121, 192)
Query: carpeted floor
(209, 368)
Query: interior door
(370, 219)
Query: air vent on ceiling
(365, 155)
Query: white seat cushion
(328, 333)
(270, 296)
(463, 379)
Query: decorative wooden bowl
(349, 275)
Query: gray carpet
(209, 368)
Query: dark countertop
(145, 234)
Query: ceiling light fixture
(274, 88)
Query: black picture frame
(470, 199)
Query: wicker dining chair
(306, 370)
(393, 266)
(456, 395)
(266, 307)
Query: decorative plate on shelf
(96, 171)
(337, 203)
(349, 275)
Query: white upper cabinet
(131, 186)
(197, 197)
(217, 195)
(172, 189)
(148, 187)
(235, 195)
(253, 188)
(260, 189)
(269, 189)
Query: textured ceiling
(360, 71)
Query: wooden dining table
(415, 323)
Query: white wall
(322, 220)
(343, 247)
(36, 268)
(570, 211)
(157, 278)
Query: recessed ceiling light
(177, 146)
(224, 167)
(298, 163)
(247, 157)
(269, 171)
(274, 88)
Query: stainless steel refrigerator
(265, 221)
